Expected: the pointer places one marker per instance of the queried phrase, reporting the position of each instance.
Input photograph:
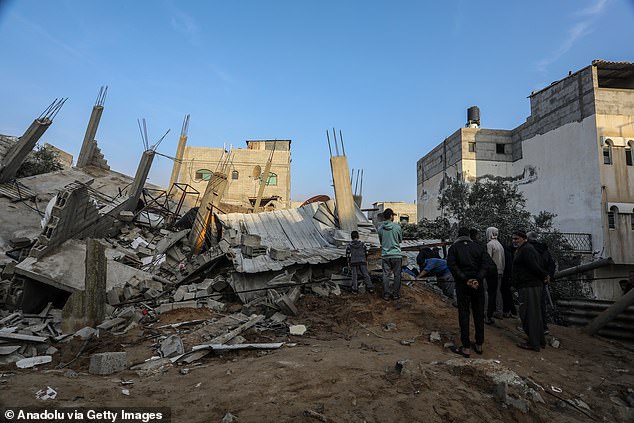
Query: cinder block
(108, 363)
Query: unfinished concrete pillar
(87, 307)
(343, 193)
(180, 151)
(139, 179)
(89, 143)
(211, 199)
(18, 152)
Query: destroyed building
(572, 157)
(403, 212)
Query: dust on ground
(343, 368)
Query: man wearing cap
(391, 236)
(529, 278)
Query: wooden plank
(222, 339)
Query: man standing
(466, 262)
(391, 235)
(496, 252)
(529, 278)
(548, 264)
(490, 278)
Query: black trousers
(508, 306)
(544, 303)
(492, 290)
(470, 300)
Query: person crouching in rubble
(467, 265)
(391, 236)
(529, 278)
(433, 266)
(357, 255)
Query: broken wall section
(75, 215)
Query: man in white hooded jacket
(496, 251)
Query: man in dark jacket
(548, 264)
(529, 277)
(466, 263)
(357, 254)
(490, 278)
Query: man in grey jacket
(391, 236)
(357, 255)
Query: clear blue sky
(395, 77)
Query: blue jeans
(391, 265)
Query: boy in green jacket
(391, 235)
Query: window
(612, 218)
(203, 174)
(272, 179)
(404, 219)
(235, 174)
(628, 154)
(471, 147)
(607, 152)
(499, 148)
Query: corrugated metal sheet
(292, 229)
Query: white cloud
(593, 9)
(45, 34)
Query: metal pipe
(334, 134)
(341, 139)
(584, 267)
(329, 147)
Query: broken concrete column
(211, 199)
(180, 150)
(108, 363)
(18, 152)
(343, 193)
(89, 143)
(139, 179)
(87, 307)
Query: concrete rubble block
(164, 308)
(114, 296)
(278, 317)
(9, 270)
(189, 296)
(126, 216)
(251, 240)
(206, 285)
(20, 242)
(180, 293)
(151, 294)
(279, 253)
(171, 346)
(27, 363)
(130, 292)
(225, 246)
(112, 323)
(251, 251)
(230, 418)
(286, 306)
(144, 251)
(185, 304)
(214, 305)
(108, 363)
(219, 283)
(297, 330)
(126, 313)
(86, 333)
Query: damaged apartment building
(245, 168)
(572, 157)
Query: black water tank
(473, 114)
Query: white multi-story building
(572, 157)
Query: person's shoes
(527, 346)
(461, 351)
(370, 290)
(396, 297)
(546, 332)
(489, 321)
(355, 291)
(477, 348)
(386, 297)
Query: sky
(395, 77)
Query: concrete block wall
(610, 101)
(434, 162)
(74, 215)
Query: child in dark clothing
(357, 255)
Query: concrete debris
(46, 394)
(230, 418)
(125, 392)
(297, 330)
(435, 337)
(171, 346)
(108, 363)
(555, 343)
(86, 333)
(27, 363)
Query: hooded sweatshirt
(357, 252)
(495, 249)
(391, 235)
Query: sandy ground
(344, 369)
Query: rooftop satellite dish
(257, 171)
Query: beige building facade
(244, 168)
(572, 157)
(403, 212)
